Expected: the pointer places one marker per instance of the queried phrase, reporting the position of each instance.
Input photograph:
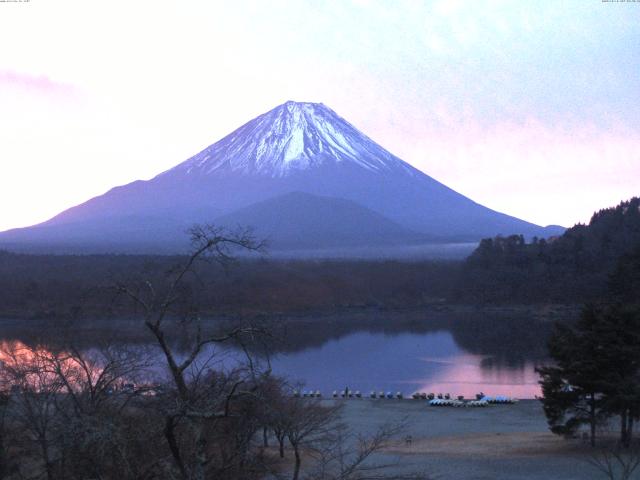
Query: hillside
(576, 266)
(304, 220)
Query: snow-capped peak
(293, 136)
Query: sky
(530, 108)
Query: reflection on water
(430, 362)
(460, 355)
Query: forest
(51, 286)
(580, 266)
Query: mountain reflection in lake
(399, 352)
(430, 362)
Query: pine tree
(571, 388)
(596, 372)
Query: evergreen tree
(621, 390)
(572, 387)
(624, 282)
(596, 372)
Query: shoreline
(539, 311)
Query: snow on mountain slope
(293, 136)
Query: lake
(460, 354)
(406, 362)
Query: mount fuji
(300, 174)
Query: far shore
(551, 312)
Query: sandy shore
(496, 442)
(497, 445)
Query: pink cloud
(37, 83)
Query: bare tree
(77, 413)
(91, 378)
(68, 418)
(616, 462)
(4, 460)
(196, 404)
(33, 397)
(276, 412)
(306, 423)
(279, 421)
(347, 456)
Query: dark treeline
(577, 267)
(49, 286)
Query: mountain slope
(303, 220)
(291, 138)
(296, 147)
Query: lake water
(406, 362)
(460, 355)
